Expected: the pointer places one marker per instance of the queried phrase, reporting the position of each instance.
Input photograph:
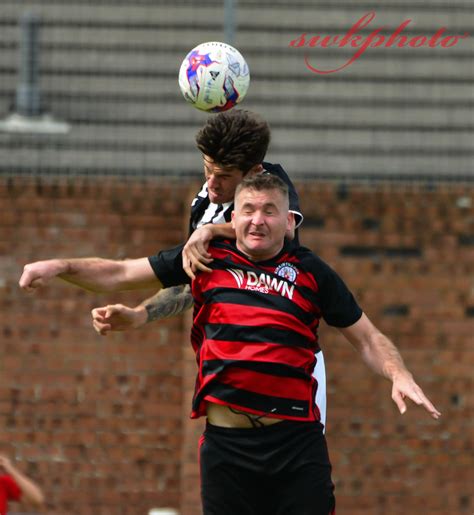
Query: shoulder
(309, 262)
(307, 257)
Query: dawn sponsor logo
(238, 276)
(262, 282)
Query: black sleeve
(168, 267)
(338, 305)
(277, 169)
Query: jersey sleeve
(338, 305)
(277, 169)
(11, 489)
(168, 267)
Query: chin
(257, 250)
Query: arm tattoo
(169, 302)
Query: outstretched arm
(93, 274)
(166, 303)
(31, 492)
(382, 357)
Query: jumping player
(233, 145)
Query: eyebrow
(265, 206)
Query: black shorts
(282, 469)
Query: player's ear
(232, 220)
(291, 221)
(290, 227)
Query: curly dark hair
(235, 138)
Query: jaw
(256, 248)
(213, 197)
(218, 198)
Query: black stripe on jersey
(215, 366)
(258, 299)
(256, 401)
(260, 334)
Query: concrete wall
(110, 69)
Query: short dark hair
(262, 182)
(235, 138)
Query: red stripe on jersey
(266, 385)
(259, 352)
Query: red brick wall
(97, 421)
(385, 463)
(102, 423)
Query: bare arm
(93, 274)
(166, 303)
(31, 492)
(381, 355)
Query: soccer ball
(214, 77)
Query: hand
(117, 317)
(405, 386)
(35, 275)
(195, 255)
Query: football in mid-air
(214, 77)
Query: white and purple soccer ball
(214, 77)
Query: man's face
(221, 182)
(260, 220)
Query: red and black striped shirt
(255, 327)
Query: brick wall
(102, 423)
(97, 421)
(408, 255)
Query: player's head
(233, 144)
(235, 138)
(261, 216)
